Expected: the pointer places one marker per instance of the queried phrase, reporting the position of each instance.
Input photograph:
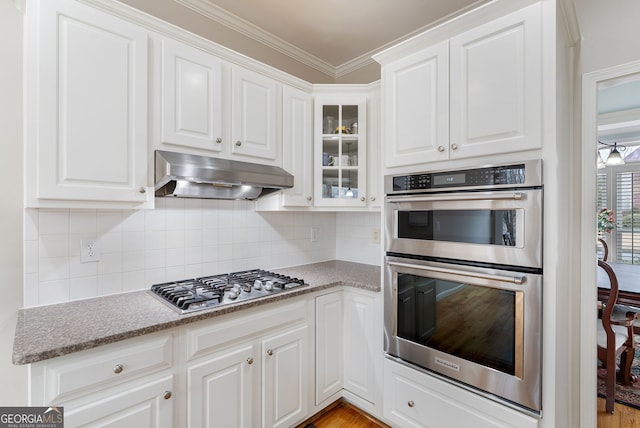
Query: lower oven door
(478, 326)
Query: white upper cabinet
(86, 107)
(496, 86)
(191, 100)
(213, 107)
(416, 91)
(254, 115)
(475, 94)
(340, 150)
(297, 147)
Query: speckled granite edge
(46, 332)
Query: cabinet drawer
(99, 367)
(146, 404)
(415, 399)
(209, 336)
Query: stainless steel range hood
(192, 176)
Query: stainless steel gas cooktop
(207, 292)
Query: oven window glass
(471, 322)
(489, 227)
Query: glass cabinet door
(341, 154)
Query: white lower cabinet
(348, 346)
(129, 383)
(250, 369)
(285, 377)
(329, 339)
(415, 399)
(146, 405)
(220, 389)
(362, 344)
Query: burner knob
(257, 284)
(233, 294)
(268, 286)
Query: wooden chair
(615, 339)
(605, 247)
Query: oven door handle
(517, 196)
(502, 278)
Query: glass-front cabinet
(340, 155)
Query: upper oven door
(497, 227)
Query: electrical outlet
(376, 235)
(89, 250)
(314, 234)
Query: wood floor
(623, 416)
(343, 415)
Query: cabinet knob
(250, 360)
(411, 403)
(362, 199)
(118, 368)
(454, 147)
(167, 395)
(269, 352)
(142, 190)
(441, 148)
(373, 198)
(308, 198)
(219, 140)
(238, 143)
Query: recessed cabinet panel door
(92, 105)
(191, 97)
(416, 87)
(221, 390)
(359, 350)
(329, 338)
(285, 378)
(496, 83)
(297, 150)
(254, 115)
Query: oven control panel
(486, 177)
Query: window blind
(627, 213)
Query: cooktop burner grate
(213, 291)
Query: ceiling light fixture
(615, 157)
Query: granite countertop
(45, 332)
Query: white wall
(610, 32)
(358, 238)
(14, 378)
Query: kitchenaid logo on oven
(31, 417)
(447, 364)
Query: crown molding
(570, 21)
(163, 28)
(242, 26)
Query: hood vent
(192, 176)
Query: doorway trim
(587, 275)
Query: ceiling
(331, 34)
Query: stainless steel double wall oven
(463, 277)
